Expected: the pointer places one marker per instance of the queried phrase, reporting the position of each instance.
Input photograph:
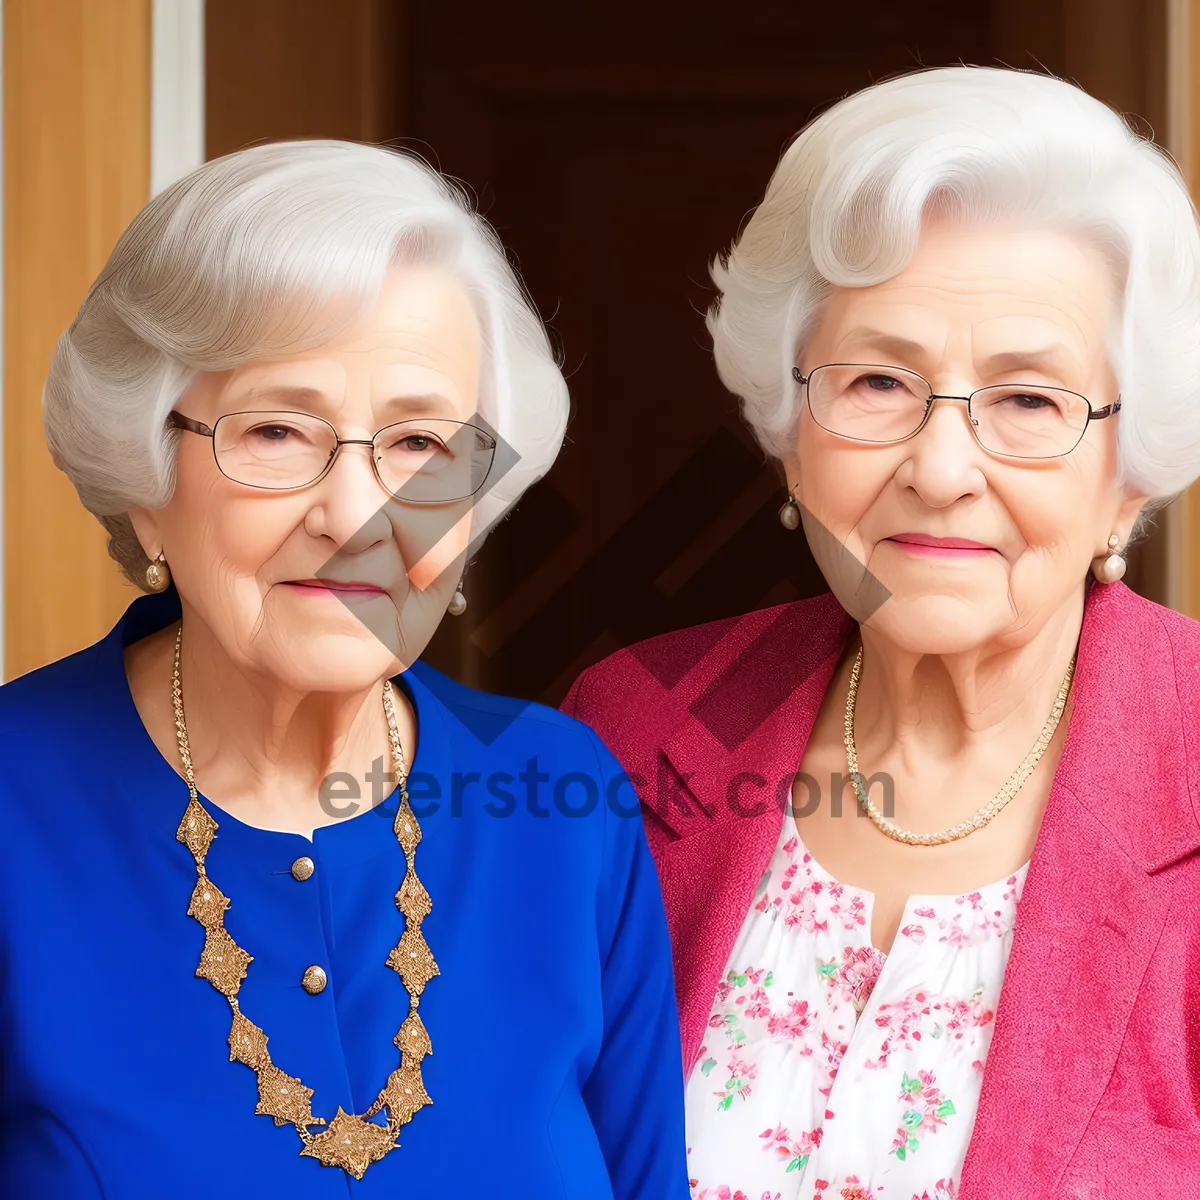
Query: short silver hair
(278, 248)
(845, 205)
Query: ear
(789, 468)
(145, 525)
(1131, 507)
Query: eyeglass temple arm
(179, 421)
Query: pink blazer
(1092, 1084)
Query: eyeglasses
(869, 403)
(426, 461)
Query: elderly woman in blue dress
(308, 918)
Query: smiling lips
(352, 590)
(924, 544)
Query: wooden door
(76, 171)
(617, 145)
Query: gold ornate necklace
(990, 810)
(352, 1142)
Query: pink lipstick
(943, 547)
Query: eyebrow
(1052, 358)
(427, 404)
(1055, 359)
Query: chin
(333, 662)
(935, 623)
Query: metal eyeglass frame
(1094, 414)
(177, 420)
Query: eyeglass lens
(427, 461)
(888, 404)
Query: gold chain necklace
(352, 1142)
(991, 809)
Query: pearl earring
(458, 602)
(158, 574)
(789, 514)
(1111, 568)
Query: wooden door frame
(1183, 141)
(103, 101)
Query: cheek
(432, 542)
(223, 531)
(1057, 510)
(838, 483)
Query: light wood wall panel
(76, 170)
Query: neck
(971, 715)
(271, 754)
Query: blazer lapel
(724, 781)
(1094, 903)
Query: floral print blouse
(831, 1071)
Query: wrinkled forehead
(416, 352)
(1007, 299)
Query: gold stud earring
(458, 602)
(789, 514)
(158, 574)
(1112, 567)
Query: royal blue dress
(555, 1072)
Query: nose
(944, 463)
(350, 504)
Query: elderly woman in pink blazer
(930, 845)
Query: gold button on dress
(314, 980)
(303, 868)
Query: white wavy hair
(845, 205)
(274, 249)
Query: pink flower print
(739, 979)
(944, 1189)
(914, 933)
(925, 1109)
(794, 1151)
(788, 876)
(789, 847)
(858, 974)
(854, 915)
(927, 913)
(966, 928)
(904, 1020)
(741, 1075)
(828, 1062)
(955, 934)
(802, 911)
(759, 1005)
(854, 1189)
(795, 1023)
